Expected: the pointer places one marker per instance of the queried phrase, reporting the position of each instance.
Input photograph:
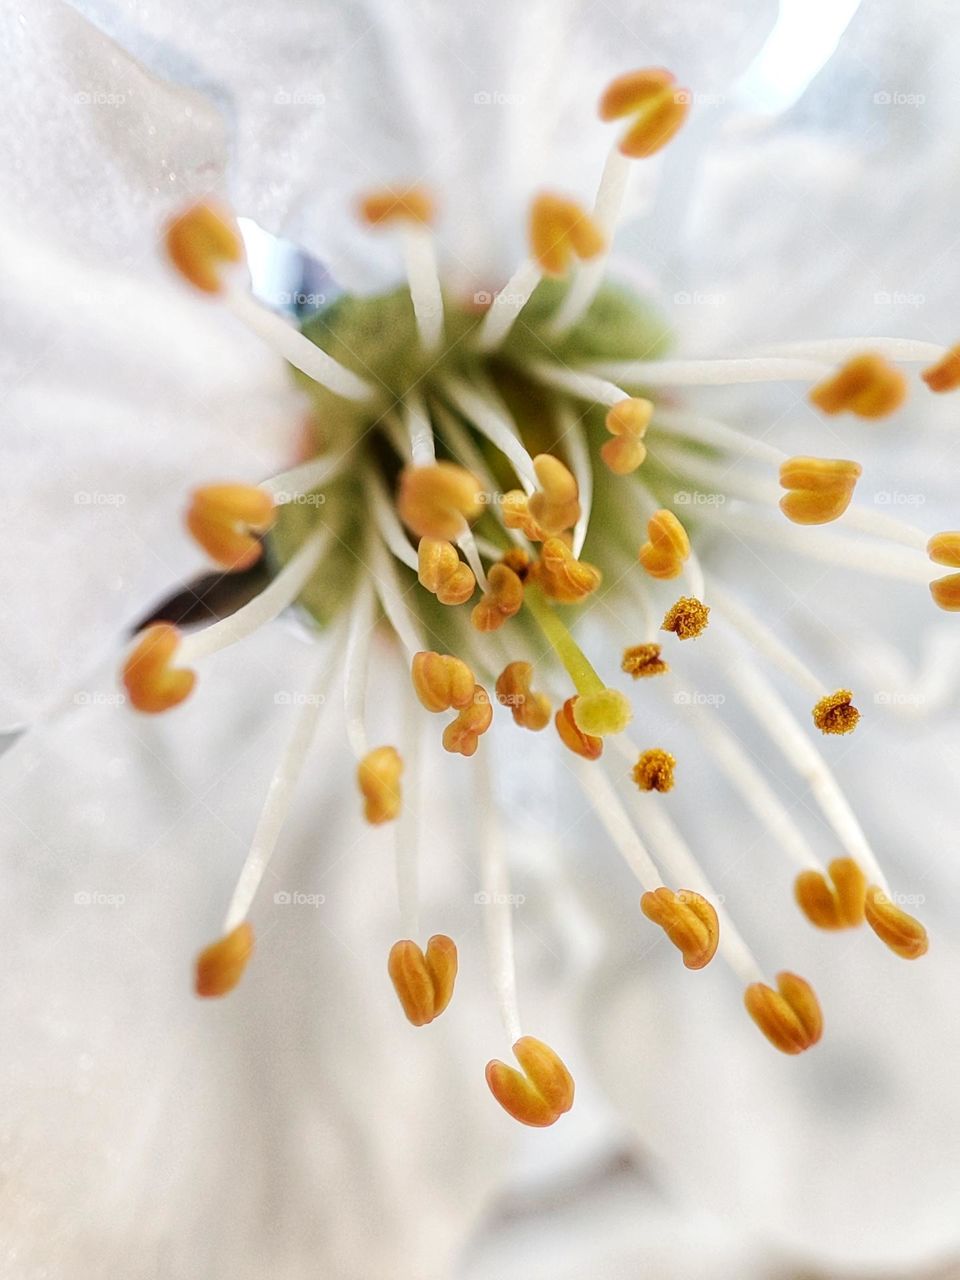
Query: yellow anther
(462, 735)
(945, 374)
(688, 920)
(835, 713)
(790, 1017)
(839, 905)
(439, 500)
(226, 518)
(519, 561)
(220, 966)
(668, 548)
(541, 1093)
(643, 660)
(820, 489)
(152, 683)
(572, 736)
(627, 422)
(441, 681)
(601, 713)
(654, 770)
(412, 204)
(687, 619)
(515, 509)
(378, 776)
(562, 576)
(501, 600)
(555, 506)
(867, 385)
(201, 242)
(424, 983)
(658, 106)
(529, 710)
(944, 548)
(900, 931)
(443, 573)
(561, 231)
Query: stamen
(442, 681)
(502, 599)
(901, 932)
(394, 604)
(790, 1017)
(423, 982)
(436, 501)
(221, 965)
(462, 736)
(839, 905)
(819, 489)
(687, 619)
(945, 374)
(202, 243)
(417, 420)
(709, 431)
(835, 713)
(304, 478)
(498, 903)
(642, 660)
(385, 518)
(688, 920)
(413, 210)
(944, 548)
(616, 822)
(480, 408)
(658, 107)
(654, 770)
(572, 433)
(378, 776)
(561, 576)
(539, 1096)
(664, 555)
(225, 519)
(729, 371)
(471, 549)
(443, 573)
(573, 737)
(627, 422)
(555, 506)
(867, 385)
(529, 710)
(152, 683)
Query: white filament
(498, 908)
(608, 807)
(291, 485)
(422, 449)
(423, 277)
(394, 605)
(408, 834)
(759, 635)
(480, 407)
(677, 422)
(572, 433)
(583, 385)
(710, 373)
(388, 522)
(362, 621)
(507, 305)
(907, 350)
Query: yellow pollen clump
(627, 422)
(945, 374)
(412, 204)
(152, 683)
(529, 710)
(867, 385)
(573, 737)
(221, 965)
(903, 934)
(604, 712)
(200, 243)
(443, 573)
(687, 619)
(225, 519)
(462, 735)
(502, 599)
(654, 770)
(820, 489)
(835, 713)
(790, 1017)
(664, 555)
(643, 660)
(423, 983)
(556, 505)
(562, 576)
(378, 776)
(839, 905)
(658, 106)
(944, 548)
(688, 920)
(560, 230)
(541, 1093)
(439, 500)
(441, 681)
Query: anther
(819, 489)
(515, 509)
(541, 1093)
(201, 243)
(664, 555)
(654, 770)
(423, 982)
(627, 422)
(561, 231)
(839, 905)
(529, 710)
(573, 737)
(221, 965)
(606, 711)
(378, 776)
(462, 735)
(945, 374)
(437, 501)
(226, 520)
(687, 619)
(412, 204)
(835, 713)
(903, 934)
(152, 683)
(642, 660)
(688, 920)
(502, 599)
(944, 548)
(789, 1017)
(443, 573)
(555, 506)
(519, 561)
(658, 106)
(867, 385)
(441, 681)
(562, 576)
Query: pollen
(789, 1017)
(643, 660)
(560, 230)
(443, 573)
(502, 599)
(227, 521)
(944, 548)
(819, 489)
(945, 374)
(835, 713)
(556, 505)
(601, 713)
(439, 500)
(529, 710)
(688, 920)
(573, 737)
(867, 385)
(903, 934)
(627, 423)
(221, 965)
(201, 243)
(687, 619)
(378, 776)
(413, 204)
(838, 905)
(657, 105)
(442, 681)
(152, 683)
(668, 548)
(462, 736)
(654, 770)
(423, 983)
(540, 1093)
(562, 576)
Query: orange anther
(820, 489)
(901, 932)
(627, 422)
(839, 905)
(835, 713)
(643, 660)
(200, 243)
(378, 776)
(443, 573)
(555, 506)
(501, 600)
(410, 204)
(152, 683)
(515, 508)
(438, 501)
(664, 555)
(462, 735)
(654, 770)
(658, 106)
(221, 965)
(562, 576)
(945, 374)
(688, 920)
(529, 710)
(424, 983)
(944, 548)
(561, 231)
(441, 681)
(572, 736)
(867, 385)
(541, 1093)
(790, 1017)
(226, 518)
